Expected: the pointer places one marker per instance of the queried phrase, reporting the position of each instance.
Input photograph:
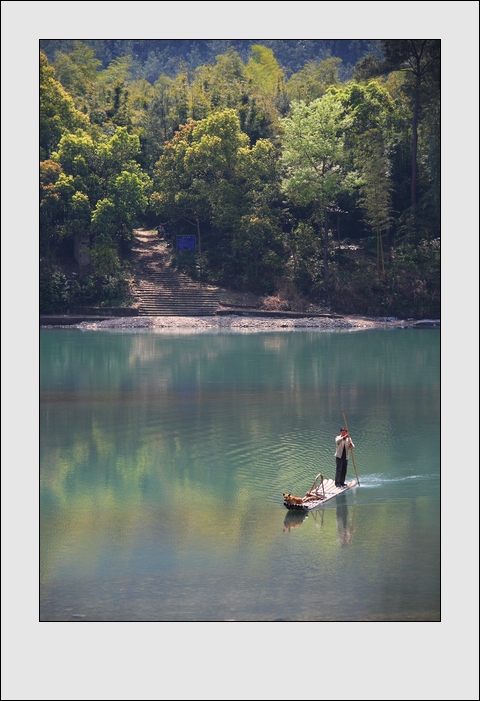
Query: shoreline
(236, 322)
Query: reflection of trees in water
(141, 380)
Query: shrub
(55, 291)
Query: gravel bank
(236, 323)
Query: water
(164, 457)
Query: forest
(308, 171)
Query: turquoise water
(164, 458)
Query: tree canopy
(271, 152)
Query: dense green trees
(210, 182)
(103, 171)
(152, 57)
(313, 160)
(58, 113)
(418, 57)
(312, 81)
(419, 60)
(375, 188)
(288, 178)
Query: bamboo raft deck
(320, 495)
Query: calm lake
(164, 457)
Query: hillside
(152, 57)
(222, 153)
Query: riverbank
(236, 322)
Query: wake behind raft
(317, 494)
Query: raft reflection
(345, 529)
(296, 518)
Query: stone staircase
(159, 290)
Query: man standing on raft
(344, 446)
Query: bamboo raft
(317, 495)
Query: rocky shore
(239, 323)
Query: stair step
(161, 291)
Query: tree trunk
(380, 256)
(325, 251)
(199, 239)
(413, 191)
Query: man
(344, 446)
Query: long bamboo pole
(353, 456)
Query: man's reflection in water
(294, 519)
(344, 528)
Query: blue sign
(186, 243)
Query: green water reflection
(164, 458)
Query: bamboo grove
(308, 186)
